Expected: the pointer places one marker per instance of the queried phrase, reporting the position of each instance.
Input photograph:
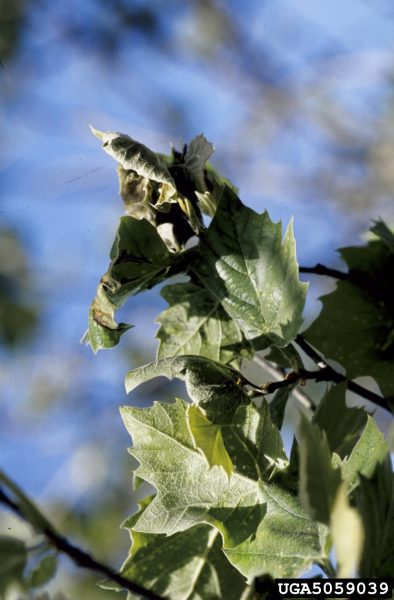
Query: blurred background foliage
(299, 101)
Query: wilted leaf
(198, 152)
(254, 275)
(134, 156)
(139, 260)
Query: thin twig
(277, 375)
(80, 557)
(320, 269)
(337, 377)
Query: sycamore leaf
(356, 324)
(385, 234)
(254, 275)
(278, 405)
(139, 260)
(319, 479)
(13, 558)
(196, 323)
(189, 565)
(347, 535)
(341, 424)
(375, 501)
(208, 439)
(254, 442)
(286, 357)
(264, 528)
(134, 156)
(214, 387)
(367, 453)
(198, 152)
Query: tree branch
(80, 557)
(336, 377)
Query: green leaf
(264, 528)
(347, 535)
(319, 480)
(140, 260)
(286, 357)
(254, 275)
(341, 424)
(278, 405)
(13, 557)
(196, 323)
(367, 453)
(374, 499)
(45, 570)
(189, 565)
(356, 324)
(254, 443)
(216, 388)
(208, 439)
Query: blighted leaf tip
(96, 132)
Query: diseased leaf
(341, 424)
(196, 323)
(374, 499)
(134, 156)
(185, 566)
(208, 439)
(13, 558)
(319, 479)
(264, 528)
(356, 324)
(385, 234)
(139, 260)
(198, 152)
(347, 534)
(367, 453)
(252, 273)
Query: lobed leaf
(342, 425)
(356, 324)
(248, 269)
(263, 526)
(374, 499)
(196, 323)
(319, 479)
(189, 565)
(370, 449)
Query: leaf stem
(79, 557)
